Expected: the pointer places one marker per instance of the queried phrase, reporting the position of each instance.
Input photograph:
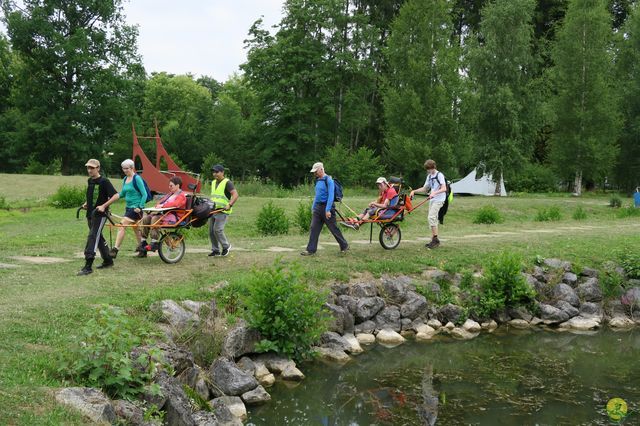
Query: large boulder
(90, 402)
(552, 315)
(564, 292)
(388, 317)
(590, 290)
(365, 327)
(389, 337)
(177, 406)
(589, 309)
(539, 274)
(461, 333)
(274, 362)
(332, 353)
(520, 312)
(589, 272)
(535, 284)
(330, 338)
(350, 303)
(229, 379)
(367, 308)
(129, 412)
(229, 410)
(396, 288)
(471, 326)
(196, 379)
(341, 319)
(450, 313)
(360, 290)
(435, 275)
(340, 288)
(581, 323)
(173, 314)
(414, 306)
(565, 306)
(240, 341)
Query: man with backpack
(323, 211)
(436, 186)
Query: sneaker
(104, 265)
(306, 253)
(154, 246)
(352, 225)
(225, 251)
(141, 246)
(214, 253)
(142, 253)
(435, 243)
(84, 271)
(113, 253)
(344, 250)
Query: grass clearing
(43, 306)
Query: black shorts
(131, 214)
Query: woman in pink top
(387, 193)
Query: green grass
(43, 306)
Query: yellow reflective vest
(218, 196)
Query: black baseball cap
(217, 168)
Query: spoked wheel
(390, 236)
(172, 247)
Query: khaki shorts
(434, 208)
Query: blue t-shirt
(135, 198)
(325, 192)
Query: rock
(179, 359)
(621, 322)
(231, 407)
(589, 272)
(330, 338)
(461, 333)
(367, 308)
(558, 264)
(567, 307)
(395, 288)
(425, 332)
(501, 316)
(229, 379)
(354, 344)
(350, 303)
(128, 411)
(240, 341)
(519, 323)
(177, 407)
(340, 289)
(215, 418)
(365, 338)
(389, 337)
(388, 318)
(552, 315)
(174, 314)
(581, 323)
(534, 283)
(631, 298)
(292, 374)
(570, 279)
(365, 327)
(90, 402)
(435, 275)
(274, 362)
(434, 323)
(256, 396)
(414, 306)
(450, 312)
(449, 326)
(520, 312)
(267, 380)
(196, 379)
(588, 309)
(564, 292)
(590, 290)
(408, 334)
(247, 365)
(406, 324)
(342, 320)
(539, 274)
(362, 290)
(489, 325)
(536, 321)
(471, 326)
(198, 307)
(332, 353)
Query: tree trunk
(577, 184)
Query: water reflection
(505, 378)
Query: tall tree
(421, 97)
(628, 70)
(501, 67)
(583, 145)
(77, 61)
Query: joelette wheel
(390, 236)
(172, 247)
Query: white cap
(382, 179)
(316, 167)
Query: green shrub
(102, 356)
(629, 211)
(550, 214)
(288, 314)
(533, 178)
(438, 297)
(488, 215)
(272, 220)
(579, 213)
(4, 205)
(503, 285)
(630, 262)
(615, 201)
(612, 284)
(302, 217)
(67, 197)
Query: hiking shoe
(113, 253)
(142, 253)
(84, 271)
(214, 253)
(154, 246)
(344, 250)
(352, 225)
(225, 251)
(104, 265)
(307, 253)
(141, 246)
(435, 243)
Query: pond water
(533, 377)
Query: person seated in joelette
(177, 199)
(387, 193)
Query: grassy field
(42, 306)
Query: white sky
(201, 37)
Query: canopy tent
(483, 185)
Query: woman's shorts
(131, 214)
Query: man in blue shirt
(323, 212)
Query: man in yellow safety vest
(224, 194)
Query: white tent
(478, 186)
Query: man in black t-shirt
(99, 190)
